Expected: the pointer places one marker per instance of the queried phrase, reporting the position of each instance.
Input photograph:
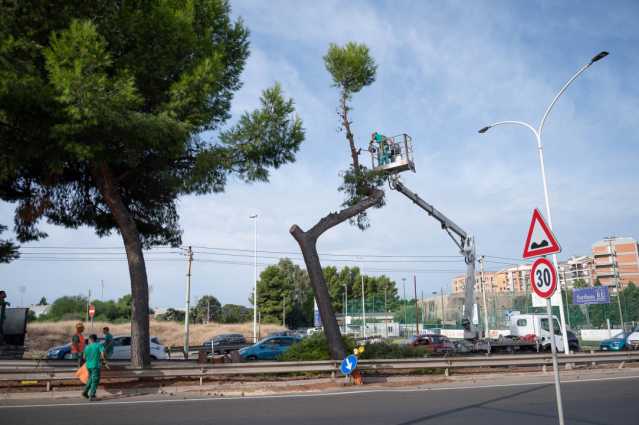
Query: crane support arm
(447, 224)
(466, 245)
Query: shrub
(385, 350)
(314, 347)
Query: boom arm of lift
(464, 242)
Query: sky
(445, 69)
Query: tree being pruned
(352, 68)
(110, 111)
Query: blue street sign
(348, 365)
(594, 295)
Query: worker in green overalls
(383, 149)
(93, 356)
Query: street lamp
(537, 132)
(254, 217)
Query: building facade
(577, 269)
(616, 261)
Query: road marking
(329, 394)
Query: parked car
(633, 338)
(618, 342)
(121, 350)
(287, 332)
(269, 348)
(437, 344)
(225, 343)
(573, 341)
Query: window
(284, 341)
(125, 340)
(522, 322)
(555, 323)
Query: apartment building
(575, 269)
(616, 260)
(459, 282)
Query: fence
(52, 372)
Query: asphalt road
(596, 402)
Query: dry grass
(44, 335)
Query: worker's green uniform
(383, 152)
(108, 345)
(92, 358)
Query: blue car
(60, 352)
(268, 348)
(618, 342)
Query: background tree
(285, 287)
(233, 313)
(349, 279)
(208, 309)
(8, 250)
(352, 68)
(171, 315)
(103, 110)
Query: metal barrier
(49, 372)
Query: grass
(44, 335)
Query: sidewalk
(318, 385)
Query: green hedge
(315, 347)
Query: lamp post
(345, 308)
(538, 132)
(254, 218)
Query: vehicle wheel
(153, 358)
(251, 358)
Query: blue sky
(445, 69)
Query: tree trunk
(308, 244)
(140, 355)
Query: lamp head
(484, 129)
(599, 56)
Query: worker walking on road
(94, 356)
(78, 343)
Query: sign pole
(555, 366)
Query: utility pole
(102, 290)
(284, 311)
(345, 307)
(613, 259)
(208, 310)
(385, 313)
(404, 290)
(563, 272)
(254, 217)
(88, 304)
(483, 294)
(189, 256)
(416, 305)
(363, 306)
(443, 312)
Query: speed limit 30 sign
(543, 278)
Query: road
(597, 401)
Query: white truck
(527, 326)
(528, 332)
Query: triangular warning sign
(540, 240)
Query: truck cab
(537, 325)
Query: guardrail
(51, 372)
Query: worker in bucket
(381, 146)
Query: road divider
(49, 373)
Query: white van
(522, 325)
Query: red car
(437, 344)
